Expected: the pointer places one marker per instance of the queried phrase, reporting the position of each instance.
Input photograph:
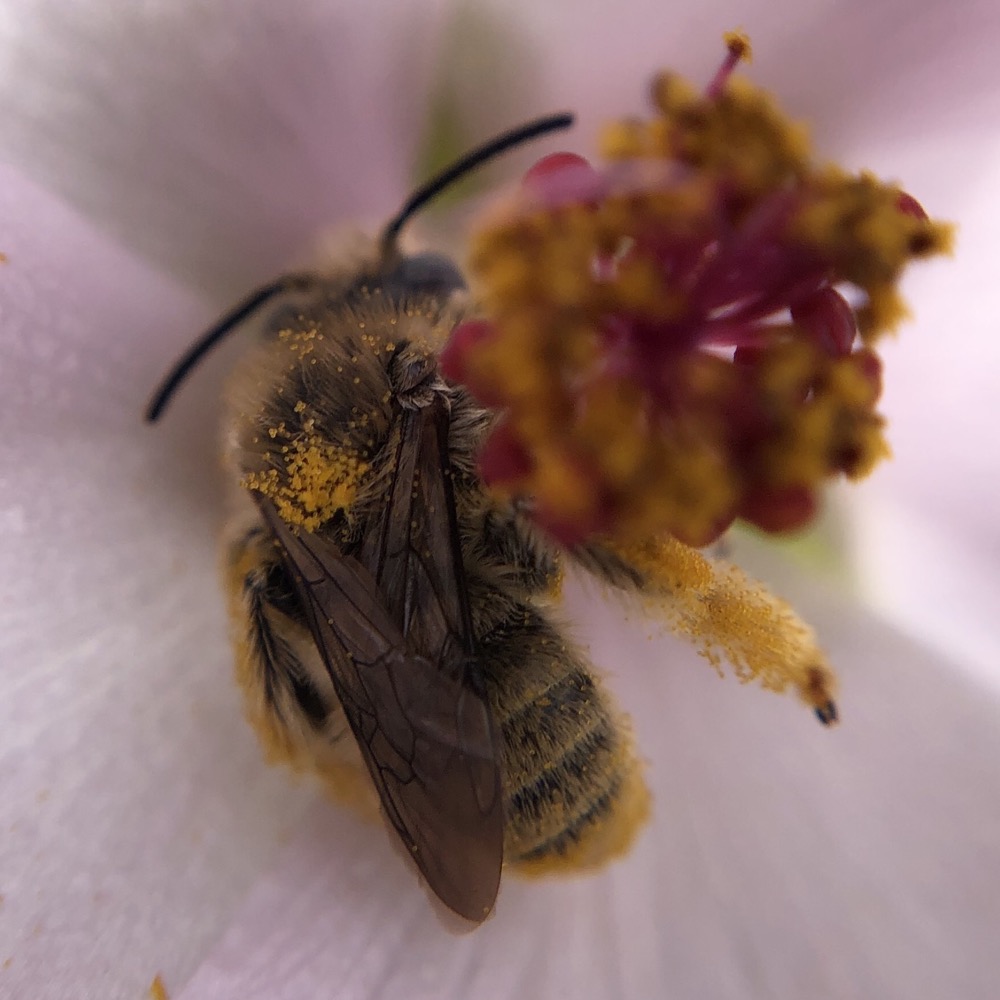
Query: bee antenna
(300, 282)
(468, 163)
(193, 355)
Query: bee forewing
(425, 733)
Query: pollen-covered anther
(684, 333)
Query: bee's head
(422, 274)
(402, 277)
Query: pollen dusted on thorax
(319, 478)
(300, 342)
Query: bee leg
(284, 703)
(287, 693)
(729, 615)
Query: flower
(142, 833)
(611, 294)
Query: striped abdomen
(573, 790)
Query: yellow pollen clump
(319, 479)
(731, 617)
(157, 991)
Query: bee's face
(422, 274)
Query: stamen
(737, 50)
(683, 336)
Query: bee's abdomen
(573, 790)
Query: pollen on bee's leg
(242, 558)
(730, 617)
(345, 780)
(285, 737)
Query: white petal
(218, 138)
(846, 65)
(929, 541)
(784, 860)
(135, 809)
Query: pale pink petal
(217, 139)
(928, 536)
(784, 860)
(135, 809)
(845, 65)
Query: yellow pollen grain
(157, 990)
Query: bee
(391, 618)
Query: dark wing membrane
(417, 712)
(416, 556)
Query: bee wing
(416, 555)
(399, 656)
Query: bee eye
(430, 273)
